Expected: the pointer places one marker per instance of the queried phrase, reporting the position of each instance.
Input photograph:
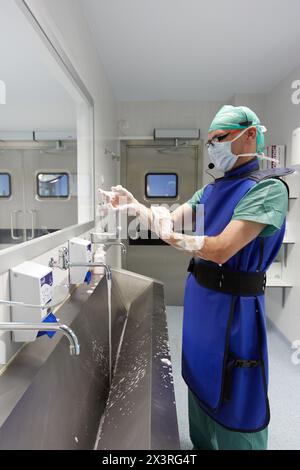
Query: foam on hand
(159, 217)
(118, 199)
(162, 221)
(188, 242)
(163, 227)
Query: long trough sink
(51, 400)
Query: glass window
(5, 185)
(53, 185)
(161, 185)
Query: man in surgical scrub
(224, 357)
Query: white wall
(66, 19)
(255, 101)
(282, 116)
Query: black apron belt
(228, 281)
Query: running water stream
(108, 282)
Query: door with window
(12, 204)
(51, 194)
(160, 173)
(38, 191)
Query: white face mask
(224, 160)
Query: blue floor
(284, 392)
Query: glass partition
(46, 138)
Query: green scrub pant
(206, 434)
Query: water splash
(166, 361)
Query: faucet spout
(95, 241)
(64, 329)
(64, 263)
(121, 244)
(92, 265)
(62, 259)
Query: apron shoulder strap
(261, 175)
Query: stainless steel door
(139, 158)
(48, 214)
(23, 214)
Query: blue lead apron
(219, 328)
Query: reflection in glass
(53, 185)
(39, 125)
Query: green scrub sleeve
(265, 203)
(196, 198)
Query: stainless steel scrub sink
(51, 400)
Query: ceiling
(194, 49)
(34, 97)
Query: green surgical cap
(239, 117)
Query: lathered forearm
(159, 219)
(236, 235)
(213, 250)
(188, 243)
(145, 214)
(208, 248)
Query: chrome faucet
(64, 263)
(94, 241)
(109, 244)
(64, 329)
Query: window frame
(9, 182)
(159, 173)
(52, 173)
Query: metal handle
(13, 215)
(32, 212)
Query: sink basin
(51, 400)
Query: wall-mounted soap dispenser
(80, 251)
(31, 283)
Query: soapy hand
(163, 227)
(162, 223)
(118, 198)
(190, 243)
(159, 218)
